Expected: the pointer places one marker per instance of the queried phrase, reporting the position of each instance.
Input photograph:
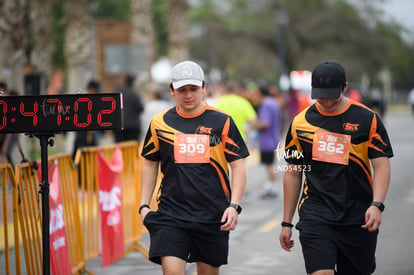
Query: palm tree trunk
(178, 48)
(41, 18)
(79, 45)
(143, 30)
(14, 45)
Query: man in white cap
(198, 204)
(335, 142)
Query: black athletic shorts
(267, 157)
(190, 241)
(346, 249)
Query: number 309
(191, 148)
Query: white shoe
(270, 191)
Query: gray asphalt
(254, 247)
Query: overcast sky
(402, 11)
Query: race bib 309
(192, 148)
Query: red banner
(110, 202)
(59, 254)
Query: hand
(230, 217)
(144, 212)
(373, 218)
(285, 238)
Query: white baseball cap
(186, 73)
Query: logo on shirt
(204, 130)
(350, 127)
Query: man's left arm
(380, 184)
(238, 184)
(381, 179)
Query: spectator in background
(378, 102)
(248, 91)
(275, 92)
(4, 138)
(4, 145)
(87, 138)
(268, 124)
(13, 136)
(411, 100)
(239, 108)
(3, 88)
(132, 111)
(9, 140)
(304, 100)
(293, 104)
(354, 94)
(155, 105)
(208, 98)
(283, 101)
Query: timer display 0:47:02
(58, 113)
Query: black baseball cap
(328, 80)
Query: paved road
(254, 247)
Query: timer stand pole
(44, 189)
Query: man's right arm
(149, 174)
(292, 182)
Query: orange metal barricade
(133, 227)
(30, 219)
(28, 206)
(86, 160)
(21, 214)
(69, 191)
(9, 224)
(88, 202)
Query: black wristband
(142, 207)
(286, 224)
(379, 204)
(236, 206)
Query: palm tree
(79, 44)
(14, 46)
(178, 46)
(41, 18)
(142, 32)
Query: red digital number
(4, 120)
(32, 114)
(106, 111)
(76, 116)
(59, 109)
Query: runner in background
(240, 109)
(268, 125)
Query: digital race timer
(57, 113)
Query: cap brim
(181, 83)
(330, 93)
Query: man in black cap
(335, 142)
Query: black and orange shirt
(334, 152)
(194, 152)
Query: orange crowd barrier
(21, 213)
(68, 176)
(86, 161)
(9, 223)
(30, 219)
